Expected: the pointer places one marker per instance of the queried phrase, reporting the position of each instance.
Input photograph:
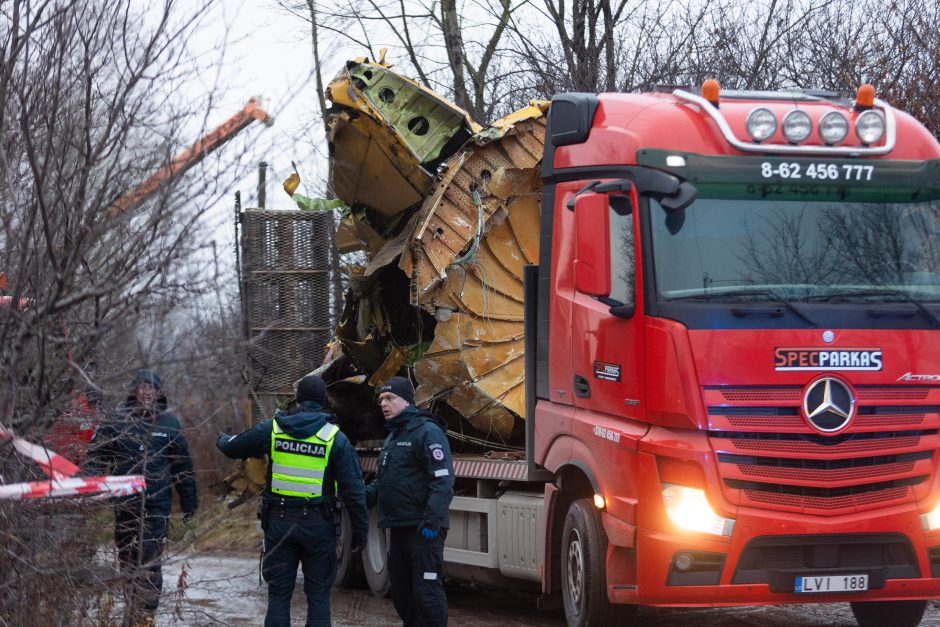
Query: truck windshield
(766, 242)
(798, 250)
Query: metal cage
(290, 293)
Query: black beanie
(312, 389)
(401, 387)
(146, 376)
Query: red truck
(733, 363)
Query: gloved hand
(358, 542)
(222, 439)
(428, 533)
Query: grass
(218, 528)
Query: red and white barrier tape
(62, 482)
(74, 486)
(51, 462)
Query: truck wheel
(583, 572)
(894, 613)
(375, 557)
(348, 566)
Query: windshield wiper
(931, 316)
(752, 292)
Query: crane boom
(191, 156)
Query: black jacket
(303, 422)
(146, 442)
(415, 480)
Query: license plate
(832, 583)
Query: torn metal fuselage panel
(387, 136)
(474, 234)
(379, 331)
(450, 219)
(372, 167)
(476, 366)
(446, 289)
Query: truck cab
(735, 365)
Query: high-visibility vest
(298, 465)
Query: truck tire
(583, 572)
(348, 566)
(894, 613)
(375, 557)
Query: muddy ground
(223, 589)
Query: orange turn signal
(865, 98)
(711, 91)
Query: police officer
(144, 438)
(413, 488)
(308, 457)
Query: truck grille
(792, 393)
(768, 457)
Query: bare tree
(772, 44)
(102, 118)
(894, 46)
(451, 47)
(580, 51)
(473, 75)
(491, 57)
(90, 107)
(324, 28)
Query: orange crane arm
(194, 154)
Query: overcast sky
(267, 54)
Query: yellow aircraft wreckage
(446, 213)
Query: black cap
(312, 389)
(401, 387)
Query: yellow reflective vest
(298, 465)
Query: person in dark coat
(308, 458)
(413, 488)
(144, 439)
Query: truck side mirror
(592, 241)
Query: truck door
(606, 316)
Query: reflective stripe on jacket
(298, 465)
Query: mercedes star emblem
(828, 404)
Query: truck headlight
(689, 509)
(931, 520)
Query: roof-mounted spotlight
(833, 127)
(761, 124)
(797, 125)
(870, 126)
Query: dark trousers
(416, 570)
(140, 536)
(299, 536)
